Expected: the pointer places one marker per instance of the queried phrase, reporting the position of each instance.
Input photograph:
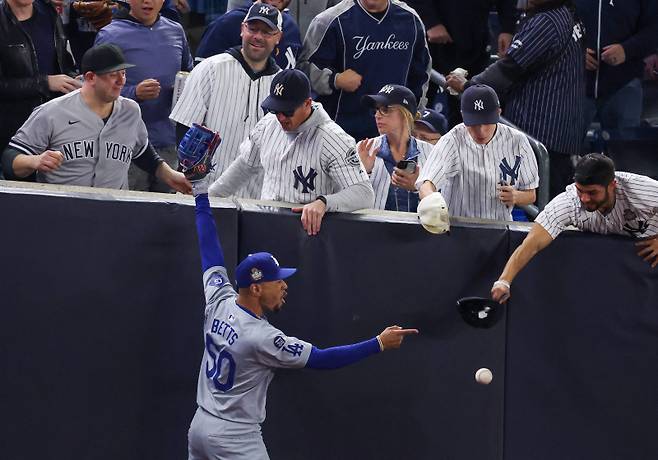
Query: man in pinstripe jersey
(541, 79)
(306, 157)
(600, 201)
(224, 92)
(482, 167)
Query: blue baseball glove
(195, 152)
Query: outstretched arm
(336, 357)
(537, 239)
(209, 246)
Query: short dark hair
(595, 169)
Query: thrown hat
(268, 14)
(258, 268)
(392, 95)
(289, 89)
(433, 120)
(480, 106)
(104, 58)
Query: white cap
(433, 213)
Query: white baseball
(483, 376)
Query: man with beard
(224, 33)
(600, 201)
(224, 92)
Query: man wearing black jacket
(33, 68)
(619, 35)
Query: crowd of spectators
(558, 66)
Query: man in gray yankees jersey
(224, 92)
(600, 201)
(89, 136)
(242, 349)
(307, 158)
(482, 167)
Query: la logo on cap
(278, 89)
(264, 9)
(388, 89)
(479, 104)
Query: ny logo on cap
(405, 101)
(388, 89)
(426, 113)
(264, 9)
(479, 104)
(278, 89)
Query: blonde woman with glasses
(394, 158)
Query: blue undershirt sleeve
(336, 357)
(209, 246)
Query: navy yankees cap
(260, 267)
(480, 106)
(289, 89)
(104, 58)
(433, 120)
(268, 14)
(392, 95)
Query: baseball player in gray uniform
(482, 167)
(600, 201)
(305, 156)
(224, 92)
(89, 136)
(242, 349)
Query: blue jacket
(390, 49)
(631, 23)
(159, 52)
(224, 33)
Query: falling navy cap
(434, 121)
(392, 95)
(480, 106)
(289, 89)
(258, 268)
(268, 14)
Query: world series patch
(352, 158)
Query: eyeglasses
(287, 113)
(266, 33)
(382, 110)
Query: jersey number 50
(218, 357)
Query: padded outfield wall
(100, 336)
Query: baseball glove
(196, 150)
(98, 13)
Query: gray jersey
(318, 159)
(468, 173)
(241, 353)
(221, 95)
(635, 212)
(380, 177)
(96, 154)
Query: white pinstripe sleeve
(192, 105)
(243, 168)
(558, 214)
(381, 182)
(340, 160)
(442, 162)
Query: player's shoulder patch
(279, 341)
(352, 158)
(216, 280)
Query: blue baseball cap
(268, 14)
(392, 95)
(258, 268)
(434, 121)
(289, 89)
(480, 106)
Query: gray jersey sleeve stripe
(23, 148)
